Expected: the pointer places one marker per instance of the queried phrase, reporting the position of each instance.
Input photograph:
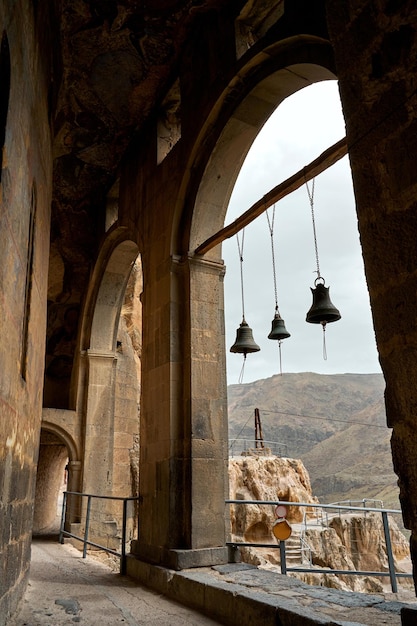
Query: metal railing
(393, 575)
(324, 515)
(306, 552)
(84, 539)
(252, 447)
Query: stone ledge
(180, 559)
(243, 594)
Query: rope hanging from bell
(244, 343)
(278, 330)
(322, 311)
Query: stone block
(409, 616)
(185, 559)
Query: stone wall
(375, 47)
(24, 244)
(169, 203)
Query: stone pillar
(376, 58)
(183, 459)
(73, 514)
(208, 397)
(99, 427)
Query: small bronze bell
(322, 310)
(278, 330)
(244, 343)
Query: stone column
(208, 398)
(376, 58)
(99, 428)
(183, 459)
(74, 484)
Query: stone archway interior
(50, 482)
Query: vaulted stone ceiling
(117, 61)
(113, 63)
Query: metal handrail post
(124, 523)
(283, 557)
(63, 514)
(87, 526)
(391, 565)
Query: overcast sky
(302, 127)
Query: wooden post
(319, 165)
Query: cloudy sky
(302, 128)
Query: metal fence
(86, 525)
(324, 513)
(251, 447)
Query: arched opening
(110, 365)
(244, 123)
(213, 196)
(301, 128)
(267, 84)
(51, 481)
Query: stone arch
(187, 439)
(118, 261)
(62, 434)
(99, 356)
(58, 470)
(250, 99)
(197, 346)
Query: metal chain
(271, 232)
(311, 198)
(240, 248)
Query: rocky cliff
(326, 539)
(336, 424)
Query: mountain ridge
(335, 423)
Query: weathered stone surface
(84, 96)
(336, 541)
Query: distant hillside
(334, 423)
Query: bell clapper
(280, 357)
(324, 341)
(240, 379)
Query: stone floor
(65, 589)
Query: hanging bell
(244, 340)
(278, 330)
(322, 310)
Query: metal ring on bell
(322, 310)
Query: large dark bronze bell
(244, 343)
(322, 310)
(278, 330)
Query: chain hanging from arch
(322, 310)
(278, 330)
(244, 343)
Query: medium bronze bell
(244, 343)
(278, 330)
(322, 310)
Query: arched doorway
(57, 457)
(102, 363)
(301, 128)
